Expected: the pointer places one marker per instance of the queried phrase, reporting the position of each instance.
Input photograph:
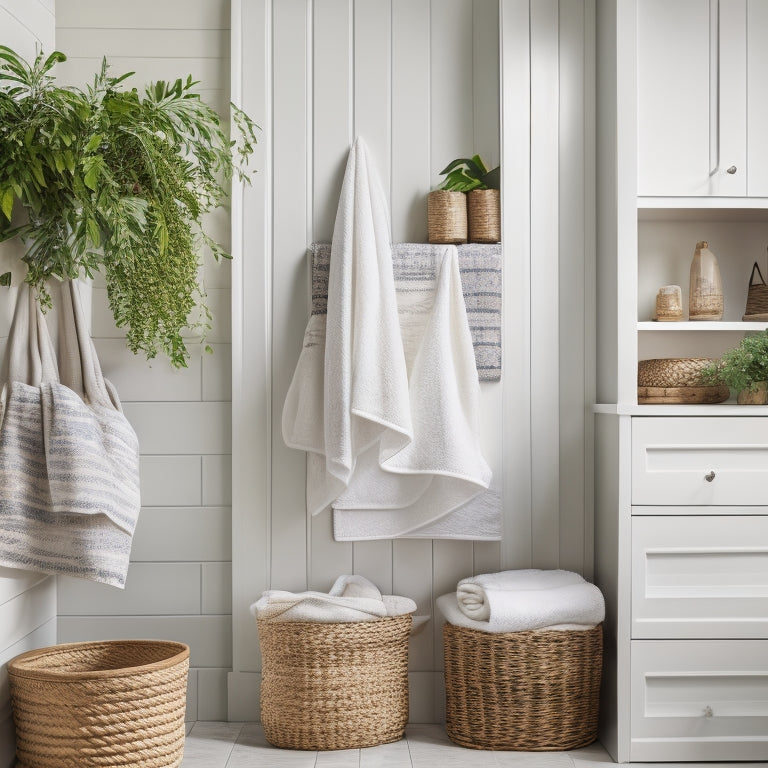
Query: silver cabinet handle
(731, 170)
(708, 711)
(710, 476)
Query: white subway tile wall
(179, 581)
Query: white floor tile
(238, 745)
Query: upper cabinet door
(692, 97)
(757, 84)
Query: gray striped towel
(69, 460)
(480, 269)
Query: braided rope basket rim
(104, 703)
(334, 685)
(529, 691)
(671, 371)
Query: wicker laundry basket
(334, 686)
(526, 691)
(112, 703)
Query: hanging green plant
(108, 179)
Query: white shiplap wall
(419, 79)
(27, 600)
(179, 583)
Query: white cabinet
(681, 491)
(702, 104)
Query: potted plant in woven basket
(467, 205)
(744, 369)
(110, 179)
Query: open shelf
(701, 326)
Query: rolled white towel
(449, 608)
(530, 599)
(352, 598)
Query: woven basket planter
(334, 686)
(112, 703)
(447, 217)
(524, 691)
(484, 215)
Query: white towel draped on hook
(350, 388)
(385, 396)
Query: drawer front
(700, 461)
(700, 577)
(699, 700)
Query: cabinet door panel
(700, 577)
(757, 67)
(699, 700)
(691, 88)
(700, 461)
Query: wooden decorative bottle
(705, 301)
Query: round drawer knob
(708, 711)
(731, 170)
(709, 477)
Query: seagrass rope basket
(447, 216)
(484, 215)
(334, 686)
(112, 703)
(526, 691)
(676, 380)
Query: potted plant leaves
(744, 369)
(109, 179)
(471, 177)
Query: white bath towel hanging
(385, 396)
(400, 491)
(352, 391)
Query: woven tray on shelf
(111, 703)
(525, 691)
(676, 380)
(334, 686)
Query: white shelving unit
(681, 519)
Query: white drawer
(700, 577)
(697, 700)
(701, 461)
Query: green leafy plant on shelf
(742, 368)
(109, 179)
(467, 173)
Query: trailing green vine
(116, 181)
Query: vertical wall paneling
(291, 186)
(545, 308)
(515, 57)
(27, 600)
(423, 82)
(251, 351)
(411, 171)
(575, 202)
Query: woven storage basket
(334, 686)
(676, 380)
(446, 216)
(757, 298)
(484, 215)
(112, 703)
(525, 691)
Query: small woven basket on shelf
(525, 691)
(446, 217)
(111, 703)
(484, 215)
(757, 298)
(676, 380)
(334, 686)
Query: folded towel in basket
(352, 598)
(518, 600)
